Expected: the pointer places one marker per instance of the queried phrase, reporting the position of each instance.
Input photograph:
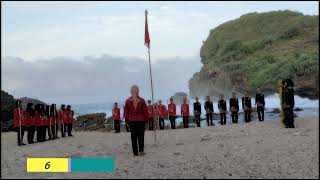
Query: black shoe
(30, 142)
(142, 154)
(23, 144)
(135, 154)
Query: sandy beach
(254, 150)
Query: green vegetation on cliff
(257, 49)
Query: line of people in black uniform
(42, 120)
(233, 108)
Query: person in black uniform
(197, 111)
(260, 104)
(288, 103)
(222, 105)
(234, 108)
(246, 105)
(208, 106)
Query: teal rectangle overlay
(92, 165)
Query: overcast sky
(79, 52)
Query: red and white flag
(146, 32)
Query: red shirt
(68, 116)
(162, 111)
(37, 118)
(62, 117)
(172, 109)
(138, 114)
(53, 119)
(18, 117)
(29, 121)
(116, 114)
(150, 111)
(46, 121)
(185, 109)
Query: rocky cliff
(257, 49)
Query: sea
(309, 109)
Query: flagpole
(152, 97)
(147, 43)
(19, 115)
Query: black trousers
(38, 129)
(247, 116)
(161, 123)
(69, 127)
(63, 129)
(288, 118)
(20, 139)
(151, 124)
(209, 118)
(172, 121)
(56, 131)
(43, 133)
(137, 136)
(116, 126)
(234, 117)
(51, 131)
(30, 136)
(260, 111)
(185, 121)
(223, 118)
(197, 119)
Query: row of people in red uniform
(43, 120)
(159, 110)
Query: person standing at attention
(234, 108)
(116, 118)
(136, 115)
(172, 113)
(222, 105)
(185, 113)
(197, 111)
(246, 105)
(260, 104)
(162, 113)
(150, 108)
(208, 106)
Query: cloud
(94, 79)
(164, 7)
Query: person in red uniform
(29, 120)
(62, 120)
(69, 117)
(18, 122)
(185, 113)
(116, 117)
(43, 123)
(172, 113)
(37, 121)
(54, 121)
(162, 112)
(136, 115)
(151, 114)
(47, 121)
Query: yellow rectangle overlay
(47, 165)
